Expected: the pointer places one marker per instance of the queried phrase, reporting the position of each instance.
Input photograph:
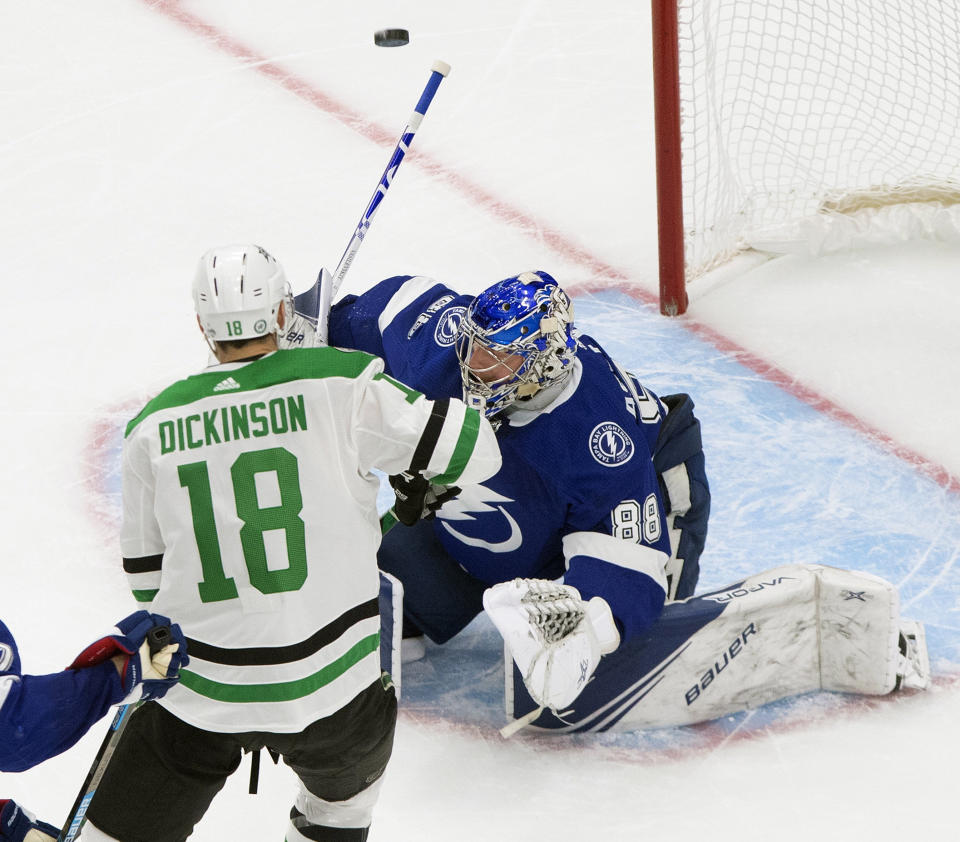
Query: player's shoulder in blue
(621, 394)
(355, 319)
(411, 322)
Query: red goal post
(793, 125)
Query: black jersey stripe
(145, 564)
(430, 436)
(271, 655)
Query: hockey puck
(391, 37)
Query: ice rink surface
(135, 135)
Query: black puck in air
(391, 37)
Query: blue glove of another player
(151, 648)
(17, 825)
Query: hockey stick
(314, 304)
(157, 638)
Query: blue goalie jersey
(579, 495)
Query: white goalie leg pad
(859, 632)
(784, 632)
(762, 647)
(356, 812)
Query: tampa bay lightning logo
(446, 331)
(610, 445)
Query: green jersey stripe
(469, 432)
(388, 520)
(284, 691)
(412, 394)
(280, 367)
(146, 596)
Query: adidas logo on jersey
(226, 385)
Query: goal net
(806, 124)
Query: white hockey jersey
(250, 518)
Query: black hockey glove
(418, 499)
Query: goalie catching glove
(555, 637)
(150, 652)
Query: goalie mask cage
(776, 117)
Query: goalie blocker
(790, 630)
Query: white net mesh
(791, 107)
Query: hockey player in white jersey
(249, 515)
(603, 483)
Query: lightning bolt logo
(478, 499)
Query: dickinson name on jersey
(239, 421)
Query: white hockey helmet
(238, 291)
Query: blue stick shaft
(436, 77)
(314, 304)
(440, 70)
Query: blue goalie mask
(515, 339)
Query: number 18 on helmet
(238, 291)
